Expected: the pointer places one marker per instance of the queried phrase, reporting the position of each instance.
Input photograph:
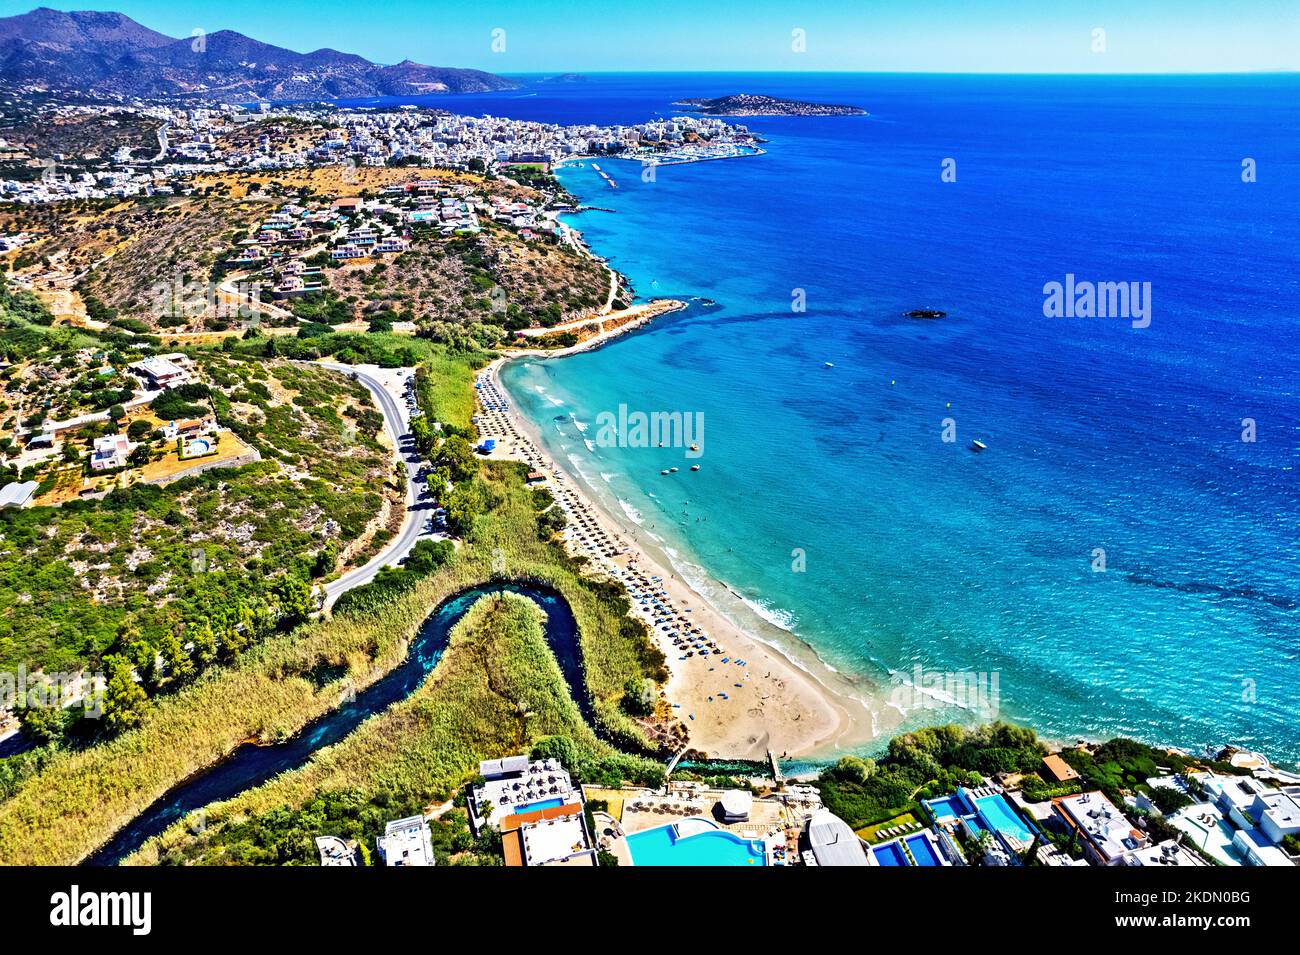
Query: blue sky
(1141, 36)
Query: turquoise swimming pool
(946, 807)
(712, 847)
(997, 812)
(543, 804)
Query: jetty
(776, 769)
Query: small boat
(695, 447)
(665, 471)
(695, 467)
(977, 445)
(672, 470)
(830, 364)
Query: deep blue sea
(1099, 435)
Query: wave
(633, 515)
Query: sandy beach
(737, 695)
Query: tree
(180, 668)
(456, 456)
(855, 768)
(125, 702)
(43, 724)
(293, 596)
(438, 486)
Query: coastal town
(174, 145)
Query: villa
(406, 842)
(162, 371)
(111, 452)
(189, 428)
(1107, 833)
(336, 852)
(515, 785)
(1249, 803)
(1168, 853)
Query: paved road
(419, 512)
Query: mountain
(109, 54)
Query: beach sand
(742, 709)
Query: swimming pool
(543, 804)
(945, 808)
(891, 853)
(997, 812)
(922, 851)
(709, 847)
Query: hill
(109, 54)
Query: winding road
(418, 520)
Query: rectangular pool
(997, 812)
(543, 804)
(891, 853)
(922, 851)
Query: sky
(951, 36)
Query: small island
(750, 104)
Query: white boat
(695, 467)
(978, 445)
(830, 364)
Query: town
(186, 142)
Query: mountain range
(109, 54)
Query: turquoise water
(922, 851)
(544, 804)
(826, 498)
(998, 814)
(661, 846)
(890, 854)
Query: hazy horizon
(1103, 37)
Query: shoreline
(775, 699)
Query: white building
(162, 371)
(111, 451)
(1107, 833)
(1168, 853)
(406, 842)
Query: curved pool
(664, 846)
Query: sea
(1122, 557)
